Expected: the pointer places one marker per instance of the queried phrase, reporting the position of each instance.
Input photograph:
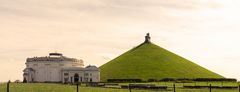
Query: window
(86, 74)
(65, 74)
(65, 80)
(90, 79)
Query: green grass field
(47, 87)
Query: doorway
(76, 78)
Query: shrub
(124, 80)
(216, 79)
(17, 81)
(167, 79)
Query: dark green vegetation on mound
(149, 61)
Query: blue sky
(205, 32)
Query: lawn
(50, 87)
(43, 87)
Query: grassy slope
(151, 61)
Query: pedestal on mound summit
(149, 61)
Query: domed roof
(55, 54)
(91, 67)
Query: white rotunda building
(59, 68)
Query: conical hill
(149, 61)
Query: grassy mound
(149, 61)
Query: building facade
(59, 68)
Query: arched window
(76, 77)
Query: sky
(203, 31)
